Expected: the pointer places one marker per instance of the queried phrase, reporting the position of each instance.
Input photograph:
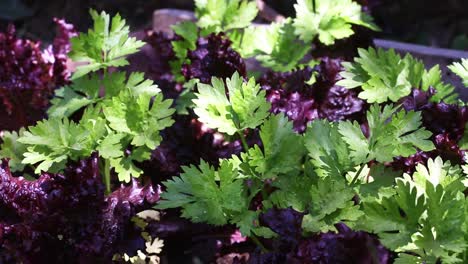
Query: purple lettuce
(28, 76)
(213, 57)
(345, 246)
(291, 94)
(185, 143)
(154, 59)
(445, 121)
(63, 217)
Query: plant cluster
(317, 160)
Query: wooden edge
(421, 49)
(163, 19)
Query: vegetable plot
(191, 157)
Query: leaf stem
(357, 175)
(244, 142)
(107, 168)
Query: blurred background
(430, 22)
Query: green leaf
(111, 146)
(207, 195)
(274, 46)
(90, 84)
(125, 168)
(461, 69)
(433, 78)
(328, 151)
(283, 149)
(52, 141)
(425, 216)
(438, 172)
(442, 233)
(188, 31)
(385, 76)
(138, 117)
(398, 137)
(329, 19)
(331, 203)
(138, 85)
(184, 102)
(292, 191)
(395, 219)
(374, 180)
(12, 149)
(225, 15)
(246, 108)
(103, 46)
(66, 102)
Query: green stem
(244, 142)
(357, 175)
(107, 168)
(264, 193)
(258, 243)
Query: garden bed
(213, 139)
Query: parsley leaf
(188, 33)
(103, 46)
(442, 233)
(139, 117)
(328, 151)
(66, 102)
(51, 142)
(12, 149)
(391, 134)
(385, 76)
(331, 203)
(275, 46)
(292, 191)
(246, 108)
(461, 69)
(438, 172)
(329, 19)
(395, 219)
(283, 149)
(225, 15)
(125, 167)
(423, 216)
(205, 194)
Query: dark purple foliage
(445, 121)
(344, 247)
(28, 76)
(185, 143)
(442, 118)
(289, 93)
(213, 57)
(154, 60)
(409, 164)
(66, 217)
(285, 222)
